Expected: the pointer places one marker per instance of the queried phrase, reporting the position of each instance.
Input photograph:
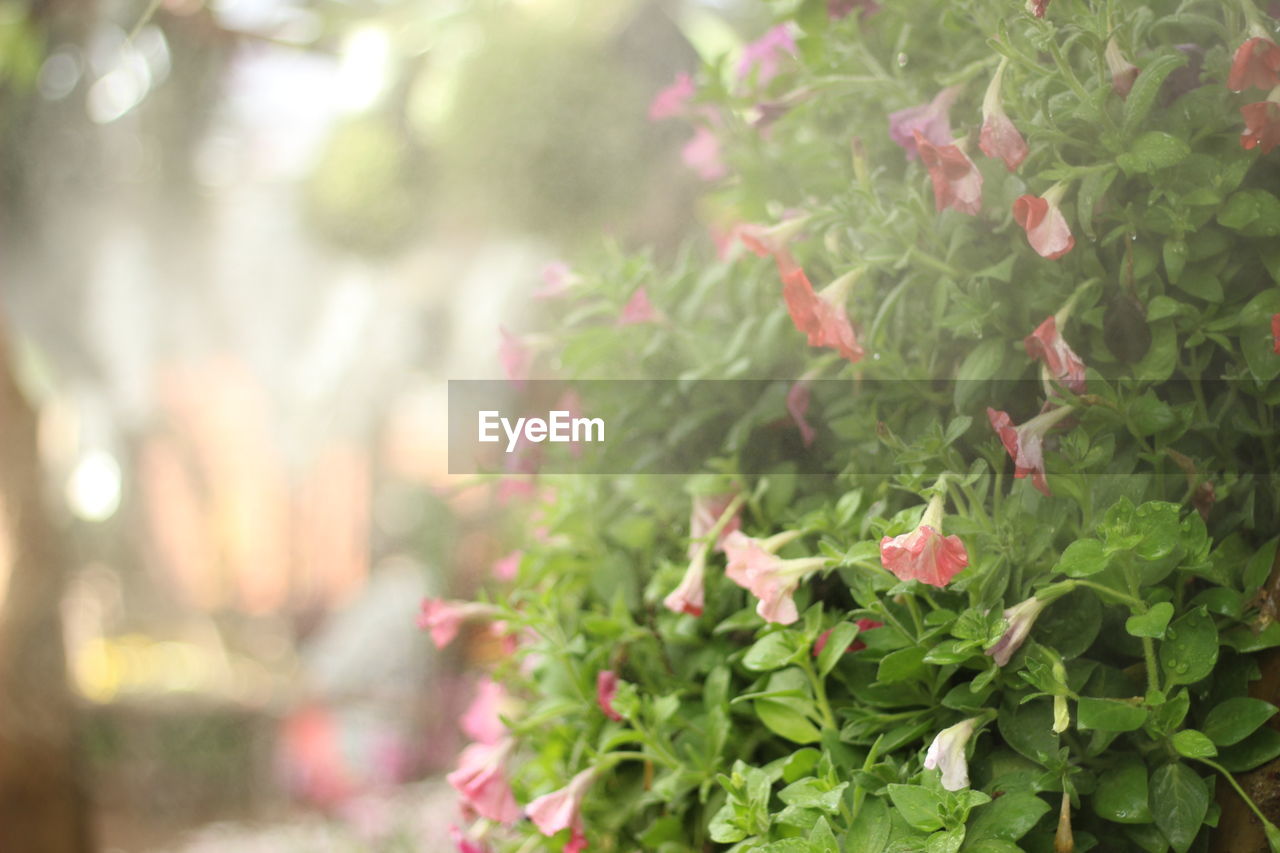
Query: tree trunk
(42, 799)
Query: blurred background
(243, 244)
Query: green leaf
(945, 842)
(1175, 259)
(771, 652)
(1152, 623)
(1179, 803)
(1255, 750)
(1009, 818)
(870, 830)
(1147, 86)
(1252, 212)
(1082, 558)
(1029, 730)
(822, 839)
(984, 362)
(1235, 719)
(901, 665)
(1153, 150)
(1121, 795)
(1190, 648)
(786, 721)
(840, 638)
(1091, 190)
(1109, 715)
(1190, 743)
(918, 806)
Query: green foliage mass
(735, 735)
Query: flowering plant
(995, 570)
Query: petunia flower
(466, 844)
(946, 754)
(481, 780)
(557, 278)
(925, 554)
(704, 515)
(1261, 124)
(482, 721)
(516, 357)
(505, 568)
(638, 310)
(999, 137)
(1025, 444)
(1047, 230)
(837, 9)
(753, 565)
(931, 120)
(689, 597)
(1123, 72)
(798, 397)
(856, 646)
(444, 618)
(771, 240)
(1018, 620)
(1256, 64)
(1060, 361)
(702, 154)
(957, 183)
(821, 315)
(764, 55)
(673, 100)
(1037, 7)
(606, 689)
(1275, 333)
(562, 809)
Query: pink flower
(516, 357)
(1261, 126)
(946, 754)
(673, 100)
(1256, 64)
(1123, 72)
(765, 54)
(821, 315)
(638, 309)
(702, 155)
(465, 844)
(957, 183)
(752, 565)
(444, 618)
(1025, 444)
(925, 554)
(1047, 230)
(557, 278)
(856, 646)
(999, 137)
(689, 597)
(481, 721)
(931, 120)
(706, 511)
(562, 809)
(481, 780)
(606, 688)
(1275, 333)
(1018, 621)
(1060, 360)
(506, 568)
(797, 407)
(1037, 7)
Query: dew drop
(902, 60)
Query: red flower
(1123, 72)
(1257, 63)
(465, 844)
(856, 646)
(772, 240)
(1025, 444)
(754, 565)
(482, 783)
(444, 618)
(606, 688)
(562, 809)
(999, 137)
(1060, 360)
(638, 309)
(1037, 7)
(797, 407)
(925, 554)
(482, 720)
(821, 316)
(1047, 230)
(1261, 126)
(957, 183)
(1275, 333)
(689, 597)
